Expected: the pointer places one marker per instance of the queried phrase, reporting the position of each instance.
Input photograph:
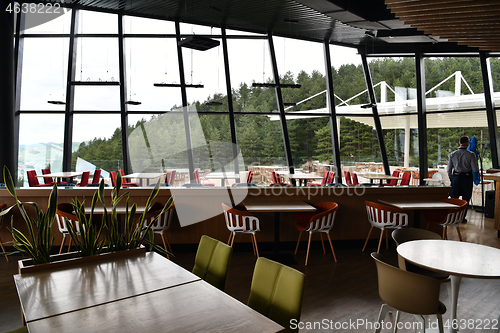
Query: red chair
(384, 218)
(249, 179)
(405, 180)
(347, 176)
(276, 178)
(326, 174)
(112, 174)
(33, 180)
(48, 180)
(197, 179)
(126, 182)
(355, 181)
(85, 179)
(393, 182)
(97, 176)
(319, 221)
(331, 177)
(447, 217)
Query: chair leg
(330, 240)
(445, 234)
(298, 241)
(308, 246)
(322, 242)
(367, 238)
(164, 245)
(62, 244)
(232, 239)
(165, 239)
(230, 236)
(459, 235)
(380, 240)
(255, 242)
(384, 309)
(69, 245)
(3, 250)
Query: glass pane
(97, 140)
(45, 64)
(140, 25)
(205, 68)
(260, 140)
(97, 59)
(51, 20)
(189, 29)
(97, 23)
(97, 98)
(150, 61)
(158, 142)
(40, 144)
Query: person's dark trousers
(462, 186)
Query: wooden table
(60, 175)
(277, 208)
(223, 176)
(417, 206)
(147, 176)
(302, 177)
(140, 293)
(459, 259)
(378, 176)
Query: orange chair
(238, 221)
(319, 221)
(415, 177)
(447, 217)
(384, 218)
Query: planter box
(74, 258)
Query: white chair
(162, 224)
(384, 218)
(64, 214)
(437, 179)
(238, 221)
(320, 221)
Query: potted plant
(37, 244)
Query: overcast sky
(44, 72)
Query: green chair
(212, 261)
(276, 292)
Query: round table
(459, 259)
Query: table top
(419, 204)
(52, 292)
(144, 175)
(63, 174)
(222, 175)
(285, 206)
(382, 176)
(191, 307)
(453, 257)
(299, 175)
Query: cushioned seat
(212, 261)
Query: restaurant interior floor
(342, 293)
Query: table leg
(416, 218)
(276, 234)
(455, 287)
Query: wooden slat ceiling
(366, 24)
(475, 23)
